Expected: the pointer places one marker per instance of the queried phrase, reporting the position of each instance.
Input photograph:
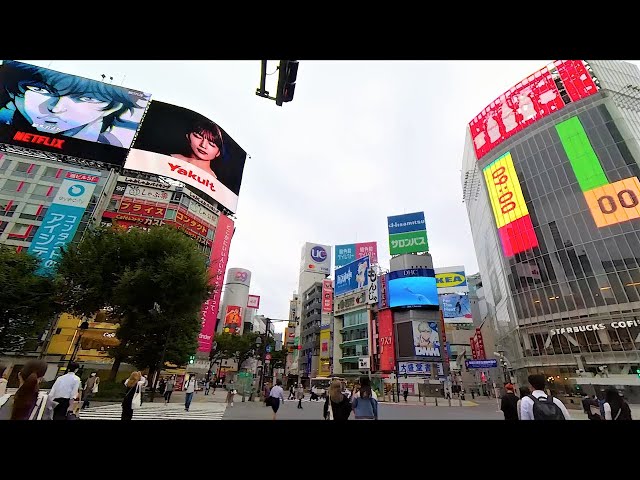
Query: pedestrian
(365, 403)
(276, 396)
(230, 394)
(190, 389)
(64, 390)
(207, 386)
(266, 391)
(27, 403)
(292, 390)
(539, 405)
(594, 409)
(615, 408)
(3, 380)
(133, 385)
(162, 385)
(168, 388)
(300, 395)
(524, 391)
(405, 393)
(90, 389)
(509, 403)
(337, 405)
(143, 385)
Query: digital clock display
(509, 207)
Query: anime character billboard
(53, 111)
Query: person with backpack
(615, 408)
(540, 406)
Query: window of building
(7, 208)
(11, 186)
(51, 172)
(30, 211)
(19, 229)
(42, 191)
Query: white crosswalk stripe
(158, 411)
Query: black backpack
(544, 408)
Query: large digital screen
(509, 208)
(609, 203)
(455, 308)
(412, 291)
(179, 143)
(535, 97)
(426, 340)
(52, 111)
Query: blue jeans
(187, 400)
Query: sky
(360, 141)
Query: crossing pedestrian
(64, 390)
(132, 384)
(276, 397)
(300, 395)
(168, 388)
(365, 403)
(90, 389)
(337, 405)
(28, 403)
(190, 389)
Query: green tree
(152, 282)
(237, 347)
(27, 301)
(278, 358)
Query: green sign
(408, 242)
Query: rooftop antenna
(103, 75)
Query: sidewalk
(430, 402)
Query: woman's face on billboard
(202, 148)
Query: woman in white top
(524, 391)
(615, 408)
(3, 380)
(275, 397)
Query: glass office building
(551, 182)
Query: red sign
(367, 249)
(38, 139)
(482, 355)
(327, 296)
(443, 339)
(253, 301)
(192, 224)
(82, 176)
(142, 209)
(232, 320)
(386, 345)
(474, 350)
(384, 299)
(533, 98)
(217, 268)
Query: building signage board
(353, 301)
(352, 276)
(418, 368)
(372, 290)
(327, 295)
(489, 363)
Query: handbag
(95, 388)
(268, 402)
(136, 401)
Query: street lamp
(83, 327)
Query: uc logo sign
(76, 190)
(453, 279)
(318, 254)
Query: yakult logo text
(189, 174)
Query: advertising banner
(451, 280)
(316, 258)
(324, 363)
(351, 301)
(455, 308)
(367, 249)
(412, 291)
(142, 209)
(62, 219)
(181, 144)
(409, 222)
(232, 320)
(426, 339)
(253, 301)
(345, 254)
(144, 193)
(60, 113)
(203, 213)
(383, 283)
(419, 368)
(410, 242)
(372, 289)
(489, 363)
(217, 268)
(327, 295)
(352, 276)
(386, 344)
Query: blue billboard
(413, 291)
(62, 219)
(345, 254)
(352, 276)
(490, 363)
(455, 308)
(409, 222)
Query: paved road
(157, 411)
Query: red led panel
(518, 236)
(576, 79)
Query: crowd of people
(535, 403)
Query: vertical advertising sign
(443, 340)
(327, 296)
(324, 367)
(217, 268)
(372, 290)
(232, 320)
(426, 339)
(386, 344)
(407, 233)
(61, 221)
(383, 301)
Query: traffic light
(286, 81)
(192, 359)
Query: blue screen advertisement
(352, 276)
(455, 308)
(413, 291)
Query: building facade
(551, 182)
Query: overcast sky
(360, 141)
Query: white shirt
(607, 411)
(526, 406)
(191, 386)
(277, 392)
(66, 386)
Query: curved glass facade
(555, 216)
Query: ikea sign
(451, 279)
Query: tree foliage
(127, 273)
(27, 301)
(236, 347)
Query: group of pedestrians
(536, 404)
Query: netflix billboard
(540, 94)
(217, 268)
(386, 344)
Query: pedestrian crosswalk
(158, 411)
